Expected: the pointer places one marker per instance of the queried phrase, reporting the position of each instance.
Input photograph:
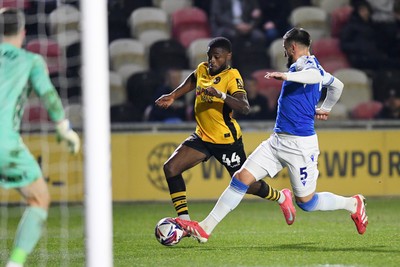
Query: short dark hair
(298, 35)
(12, 21)
(221, 42)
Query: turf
(255, 234)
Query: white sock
(184, 217)
(227, 202)
(282, 198)
(330, 201)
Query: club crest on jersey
(239, 83)
(217, 80)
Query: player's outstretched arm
(188, 85)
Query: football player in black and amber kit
(219, 92)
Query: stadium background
(358, 152)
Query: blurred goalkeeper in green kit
(20, 73)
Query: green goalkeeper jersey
(20, 73)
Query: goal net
(52, 30)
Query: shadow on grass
(309, 247)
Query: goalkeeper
(20, 73)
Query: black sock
(264, 190)
(177, 191)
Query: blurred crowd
(152, 58)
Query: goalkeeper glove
(65, 133)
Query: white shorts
(298, 153)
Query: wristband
(223, 96)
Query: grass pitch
(255, 234)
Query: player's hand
(276, 75)
(165, 101)
(213, 92)
(321, 114)
(66, 134)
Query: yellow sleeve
(235, 84)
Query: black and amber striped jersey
(215, 123)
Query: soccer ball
(168, 232)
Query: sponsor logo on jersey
(217, 80)
(239, 83)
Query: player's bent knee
(309, 205)
(168, 169)
(244, 176)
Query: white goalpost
(97, 172)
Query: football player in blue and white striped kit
(294, 143)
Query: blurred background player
(259, 107)
(361, 42)
(20, 73)
(294, 143)
(391, 106)
(237, 20)
(219, 92)
(177, 111)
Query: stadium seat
(129, 6)
(327, 48)
(190, 35)
(64, 24)
(249, 57)
(73, 59)
(384, 81)
(117, 89)
(22, 4)
(329, 5)
(170, 6)
(127, 51)
(357, 88)
(117, 21)
(189, 24)
(74, 113)
(312, 18)
(127, 70)
(197, 51)
(366, 110)
(35, 112)
(339, 18)
(334, 65)
(125, 113)
(271, 88)
(339, 112)
(328, 52)
(277, 56)
(140, 88)
(149, 24)
(167, 54)
(51, 52)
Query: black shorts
(232, 156)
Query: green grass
(255, 234)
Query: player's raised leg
(327, 201)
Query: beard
(290, 61)
(217, 71)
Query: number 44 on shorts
(234, 161)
